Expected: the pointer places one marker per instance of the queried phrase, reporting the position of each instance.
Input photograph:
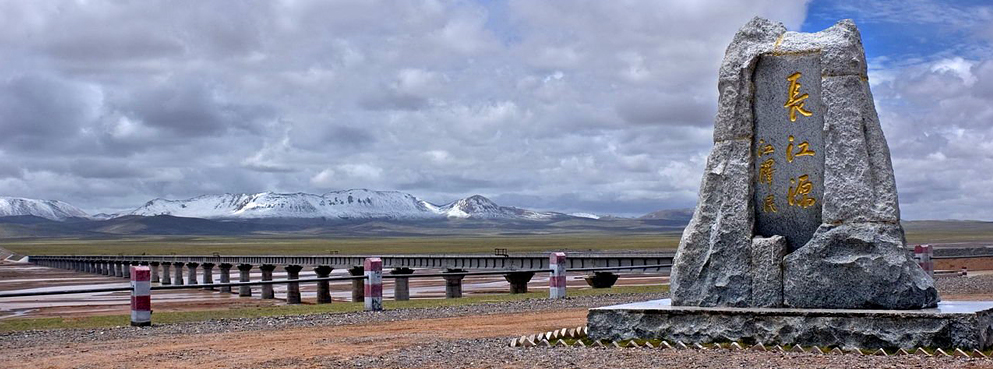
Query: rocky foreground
(451, 337)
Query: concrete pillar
(126, 268)
(601, 279)
(556, 281)
(88, 266)
(141, 297)
(518, 281)
(208, 275)
(105, 268)
(358, 285)
(118, 268)
(323, 287)
(243, 270)
(267, 276)
(373, 284)
(453, 284)
(293, 288)
(177, 278)
(154, 269)
(225, 276)
(166, 275)
(401, 285)
(192, 268)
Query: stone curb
(577, 337)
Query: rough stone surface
(856, 266)
(840, 48)
(767, 271)
(866, 329)
(712, 264)
(734, 107)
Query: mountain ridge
(48, 209)
(345, 204)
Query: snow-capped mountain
(49, 209)
(349, 204)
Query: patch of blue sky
(906, 32)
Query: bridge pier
(453, 284)
(358, 285)
(119, 269)
(293, 288)
(178, 277)
(243, 276)
(192, 276)
(126, 269)
(153, 266)
(601, 279)
(208, 275)
(401, 285)
(166, 275)
(518, 281)
(225, 276)
(323, 287)
(267, 292)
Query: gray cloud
(580, 106)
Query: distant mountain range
(357, 212)
(350, 204)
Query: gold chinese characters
(794, 101)
(803, 147)
(799, 191)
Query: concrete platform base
(953, 324)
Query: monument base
(953, 324)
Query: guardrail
(366, 287)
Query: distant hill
(681, 215)
(48, 209)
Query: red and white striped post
(141, 296)
(556, 283)
(924, 254)
(373, 284)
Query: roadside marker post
(141, 296)
(373, 284)
(556, 283)
(924, 255)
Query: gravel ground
(31, 338)
(970, 285)
(495, 352)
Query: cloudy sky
(593, 106)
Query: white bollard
(373, 284)
(924, 254)
(556, 283)
(141, 296)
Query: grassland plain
(262, 245)
(103, 321)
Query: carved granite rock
(860, 231)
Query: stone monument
(796, 237)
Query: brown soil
(253, 349)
